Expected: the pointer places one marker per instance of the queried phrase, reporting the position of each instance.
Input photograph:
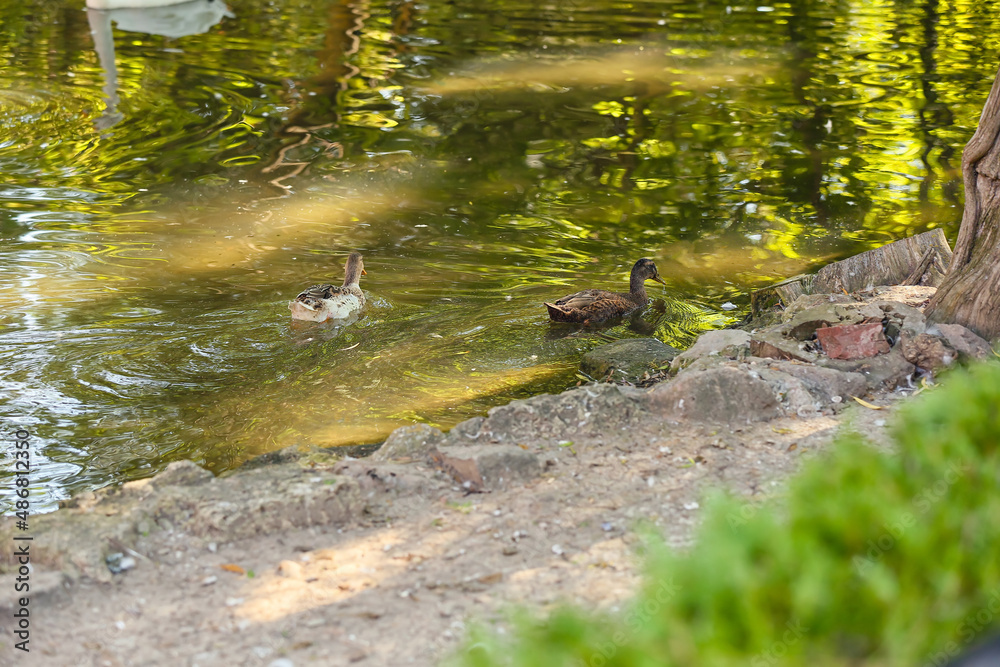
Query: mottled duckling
(325, 302)
(595, 305)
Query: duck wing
(586, 298)
(321, 292)
(315, 295)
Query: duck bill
(659, 280)
(365, 273)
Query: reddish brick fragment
(853, 341)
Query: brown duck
(324, 302)
(596, 305)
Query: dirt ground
(400, 585)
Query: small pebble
(606, 526)
(509, 550)
(232, 602)
(880, 422)
(837, 399)
(690, 506)
(208, 581)
(281, 662)
(289, 568)
(119, 562)
(557, 550)
(728, 306)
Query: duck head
(355, 269)
(644, 270)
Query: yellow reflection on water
(652, 66)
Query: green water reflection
(484, 156)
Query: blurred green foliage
(870, 559)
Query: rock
(968, 344)
(791, 392)
(627, 359)
(289, 568)
(409, 442)
(46, 587)
(709, 362)
(928, 352)
(901, 318)
(853, 341)
(284, 455)
(825, 384)
(804, 324)
(467, 430)
(119, 562)
(263, 501)
(773, 345)
(589, 410)
(464, 471)
(239, 506)
(181, 473)
(719, 395)
(807, 301)
(886, 371)
(499, 465)
(731, 343)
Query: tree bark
(970, 293)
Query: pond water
(164, 195)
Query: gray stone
(886, 371)
(791, 393)
(245, 504)
(409, 442)
(901, 318)
(262, 501)
(627, 359)
(968, 344)
(826, 383)
(807, 301)
(499, 465)
(589, 410)
(467, 430)
(729, 343)
(46, 586)
(719, 395)
(807, 391)
(182, 473)
(773, 345)
(709, 362)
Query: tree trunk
(970, 293)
